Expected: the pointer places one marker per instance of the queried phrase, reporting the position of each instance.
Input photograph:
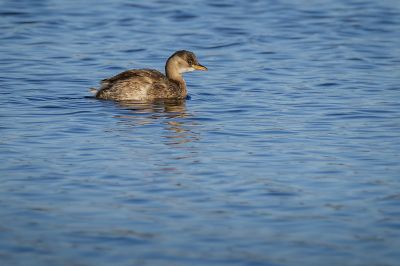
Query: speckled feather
(139, 84)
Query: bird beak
(199, 67)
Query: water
(287, 152)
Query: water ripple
(285, 153)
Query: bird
(150, 84)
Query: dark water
(287, 152)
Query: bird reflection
(171, 113)
(176, 108)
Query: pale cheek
(187, 69)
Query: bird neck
(173, 74)
(172, 71)
(182, 87)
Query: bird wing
(151, 73)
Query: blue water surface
(286, 153)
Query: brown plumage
(150, 84)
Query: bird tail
(93, 91)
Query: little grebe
(150, 84)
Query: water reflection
(171, 108)
(180, 133)
(172, 114)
